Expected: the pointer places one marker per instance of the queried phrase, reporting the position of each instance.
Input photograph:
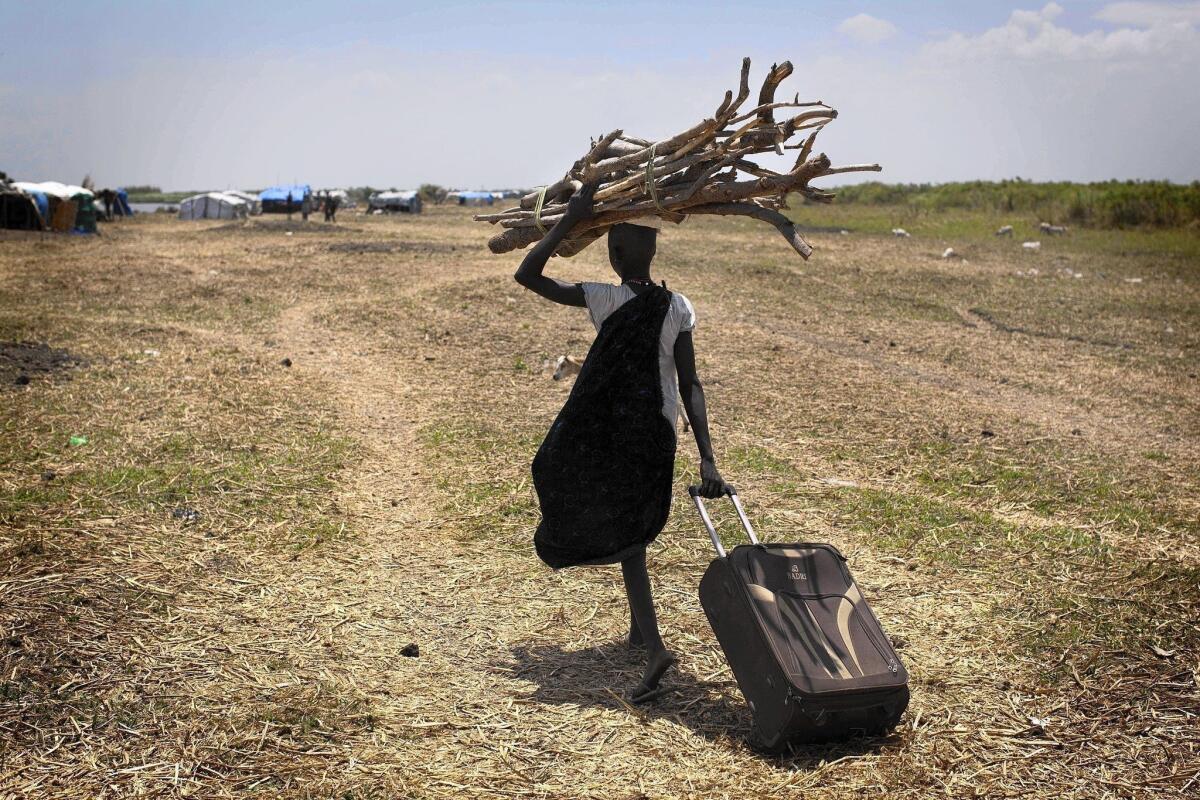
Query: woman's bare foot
(657, 664)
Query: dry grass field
(308, 446)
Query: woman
(603, 474)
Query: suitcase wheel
(759, 744)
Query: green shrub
(1108, 204)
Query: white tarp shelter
(214, 205)
(343, 198)
(404, 202)
(62, 191)
(251, 200)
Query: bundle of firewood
(704, 170)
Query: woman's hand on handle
(711, 483)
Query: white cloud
(1149, 15)
(1034, 36)
(868, 29)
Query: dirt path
(502, 699)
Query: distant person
(332, 203)
(305, 207)
(290, 201)
(108, 197)
(603, 474)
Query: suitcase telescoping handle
(694, 491)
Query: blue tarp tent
(43, 205)
(121, 207)
(274, 199)
(475, 198)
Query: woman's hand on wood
(580, 206)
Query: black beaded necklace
(638, 281)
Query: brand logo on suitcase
(795, 574)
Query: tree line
(1105, 204)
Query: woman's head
(631, 249)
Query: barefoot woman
(603, 474)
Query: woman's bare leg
(645, 622)
(635, 633)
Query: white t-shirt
(603, 299)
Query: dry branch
(693, 172)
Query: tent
(474, 198)
(20, 211)
(251, 199)
(115, 203)
(63, 191)
(69, 207)
(214, 205)
(274, 199)
(407, 202)
(344, 200)
(121, 207)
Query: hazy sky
(226, 94)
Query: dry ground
(210, 597)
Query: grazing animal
(1052, 230)
(1032, 245)
(1006, 230)
(901, 233)
(568, 366)
(949, 253)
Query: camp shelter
(20, 211)
(214, 205)
(85, 213)
(69, 207)
(121, 207)
(255, 207)
(63, 191)
(274, 199)
(344, 200)
(474, 198)
(62, 215)
(406, 202)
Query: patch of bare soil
(20, 362)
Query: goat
(1032, 245)
(1006, 230)
(949, 253)
(1052, 230)
(901, 233)
(568, 366)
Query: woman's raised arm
(529, 274)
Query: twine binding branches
(537, 210)
(651, 189)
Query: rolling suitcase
(808, 654)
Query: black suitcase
(808, 654)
